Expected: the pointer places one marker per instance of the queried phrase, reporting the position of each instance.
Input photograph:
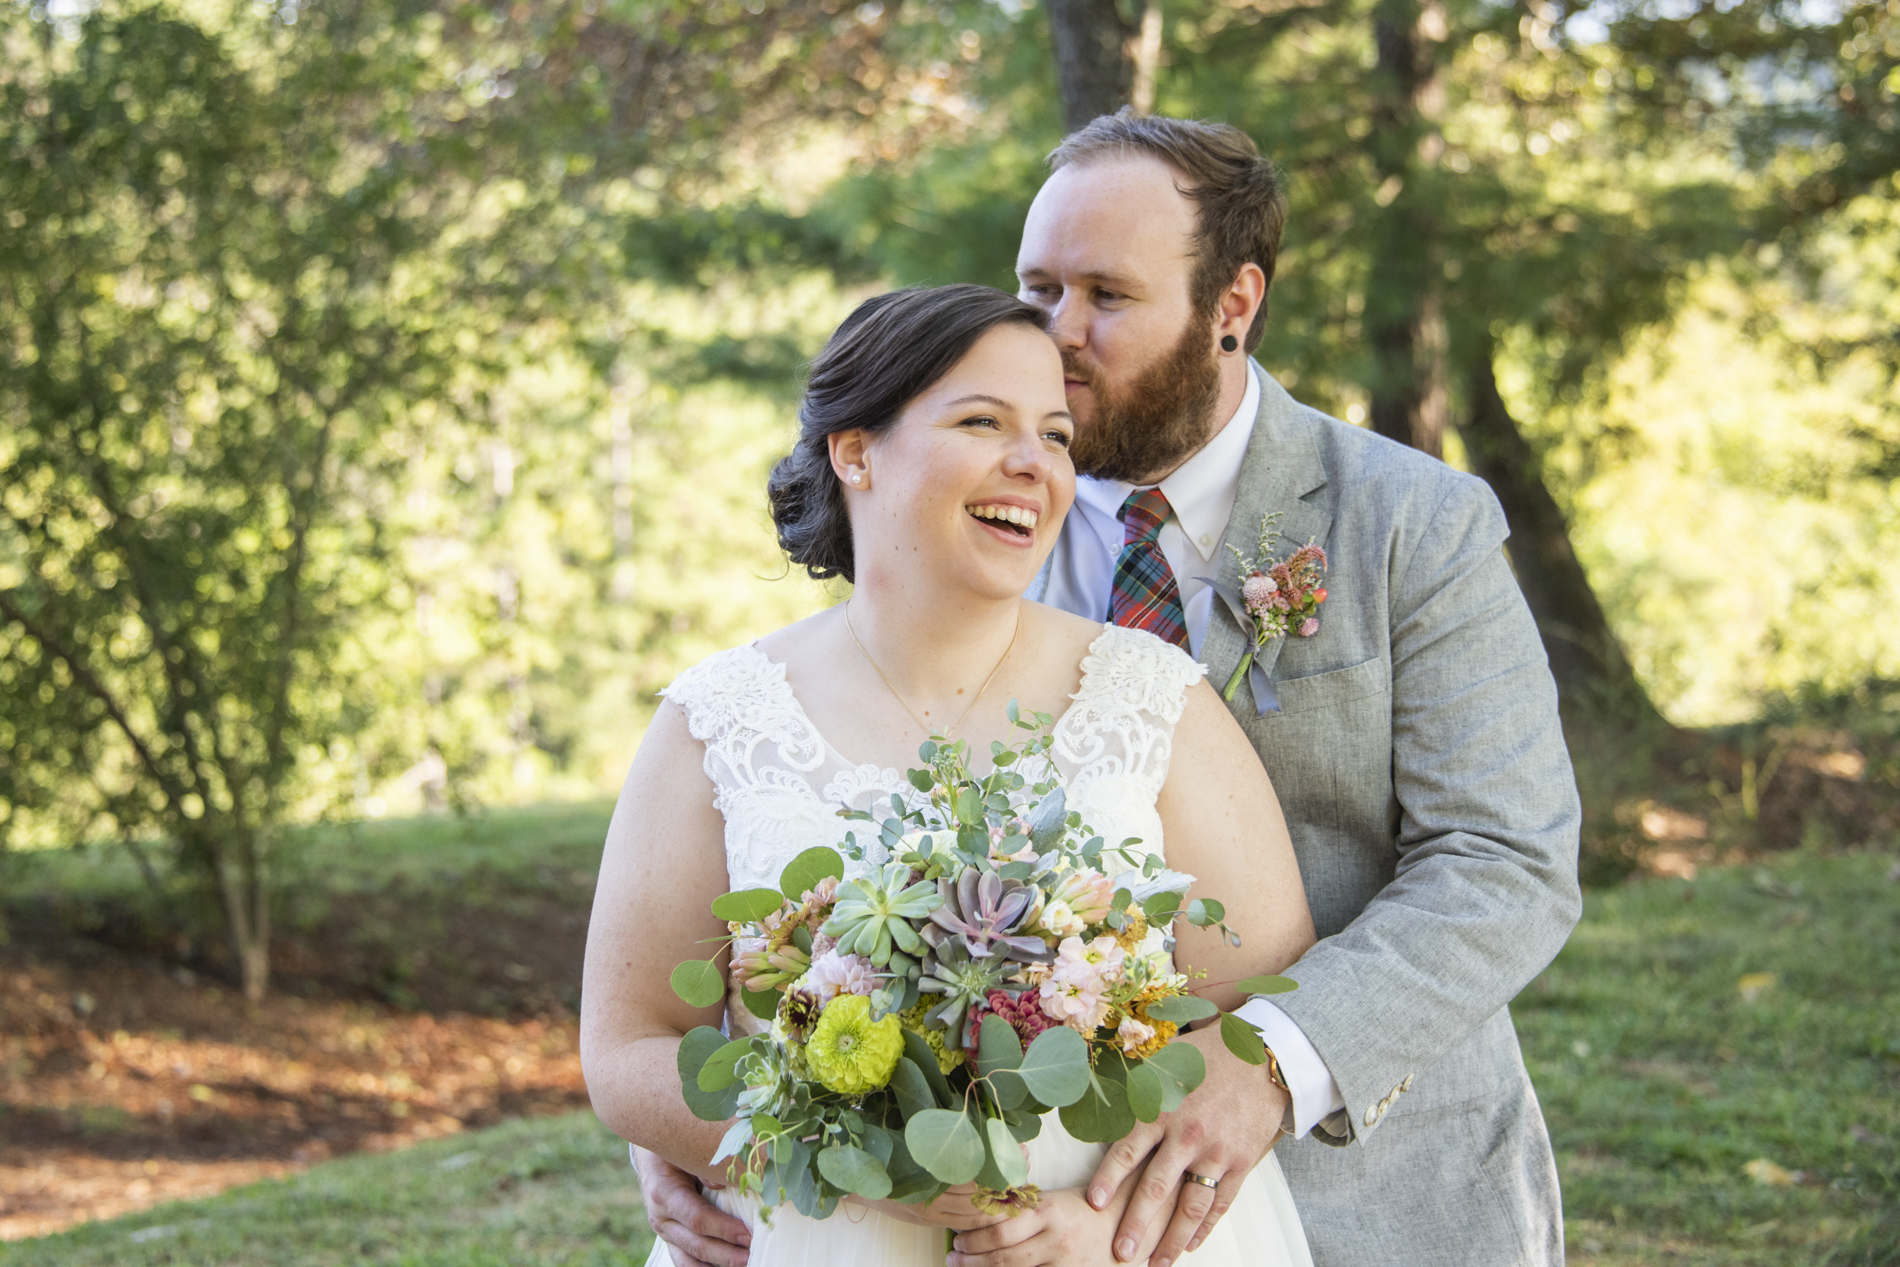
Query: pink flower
(1258, 589)
(1309, 626)
(833, 974)
(1133, 1033)
(1074, 1004)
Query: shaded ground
(128, 1078)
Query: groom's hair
(887, 353)
(1236, 191)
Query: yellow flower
(849, 1052)
(948, 1057)
(1129, 938)
(1164, 1030)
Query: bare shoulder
(1062, 632)
(800, 638)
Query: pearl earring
(857, 479)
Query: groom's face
(1108, 251)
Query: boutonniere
(1277, 598)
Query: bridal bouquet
(999, 960)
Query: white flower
(1060, 920)
(1133, 1033)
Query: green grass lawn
(1687, 1031)
(538, 1191)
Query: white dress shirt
(1201, 495)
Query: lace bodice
(779, 784)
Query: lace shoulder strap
(1134, 686)
(737, 701)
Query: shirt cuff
(1315, 1094)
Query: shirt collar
(1202, 490)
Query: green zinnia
(851, 1053)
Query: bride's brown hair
(886, 354)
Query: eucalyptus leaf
(1181, 1009)
(854, 1170)
(878, 1142)
(761, 1003)
(1267, 985)
(945, 1142)
(1161, 907)
(699, 983)
(1006, 1152)
(1203, 911)
(912, 1091)
(1009, 1089)
(1242, 1039)
(803, 873)
(722, 1067)
(708, 1106)
(1056, 1067)
(925, 1059)
(1146, 1091)
(1184, 1067)
(747, 906)
(1101, 1116)
(998, 1047)
(1024, 1124)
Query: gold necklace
(921, 723)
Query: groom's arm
(1485, 891)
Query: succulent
(985, 913)
(876, 911)
(963, 982)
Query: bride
(932, 471)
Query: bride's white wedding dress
(779, 784)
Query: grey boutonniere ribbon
(1275, 598)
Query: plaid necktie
(1145, 594)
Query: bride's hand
(1063, 1231)
(953, 1209)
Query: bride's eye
(1058, 437)
(981, 420)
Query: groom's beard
(1145, 430)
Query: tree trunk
(1585, 656)
(1093, 65)
(1404, 321)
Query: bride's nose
(1029, 457)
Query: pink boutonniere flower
(1277, 598)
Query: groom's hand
(1221, 1131)
(697, 1232)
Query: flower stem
(1240, 671)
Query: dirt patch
(125, 1082)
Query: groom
(1412, 738)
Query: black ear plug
(1228, 343)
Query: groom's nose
(1068, 321)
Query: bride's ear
(851, 457)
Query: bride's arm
(664, 863)
(1225, 828)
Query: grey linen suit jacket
(1419, 760)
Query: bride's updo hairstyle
(887, 353)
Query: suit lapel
(1282, 472)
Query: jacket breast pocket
(1334, 688)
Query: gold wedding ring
(1203, 1180)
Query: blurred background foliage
(389, 385)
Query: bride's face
(972, 482)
